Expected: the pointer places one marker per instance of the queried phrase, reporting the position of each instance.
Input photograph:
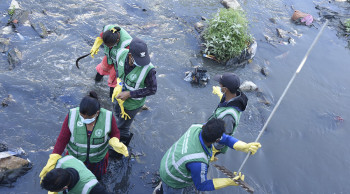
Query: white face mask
(136, 64)
(87, 121)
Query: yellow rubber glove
(94, 50)
(52, 192)
(217, 91)
(51, 163)
(220, 183)
(118, 146)
(116, 91)
(213, 158)
(247, 147)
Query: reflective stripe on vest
(126, 42)
(139, 80)
(64, 159)
(234, 113)
(88, 185)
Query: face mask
(87, 121)
(136, 64)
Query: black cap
(139, 51)
(229, 80)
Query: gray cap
(229, 80)
(139, 51)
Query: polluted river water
(304, 148)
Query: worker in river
(71, 176)
(86, 133)
(137, 81)
(187, 160)
(113, 37)
(232, 103)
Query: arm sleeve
(114, 129)
(228, 140)
(151, 86)
(230, 123)
(63, 138)
(99, 189)
(199, 173)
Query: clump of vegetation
(227, 34)
(11, 11)
(347, 25)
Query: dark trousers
(124, 125)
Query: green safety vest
(187, 149)
(94, 148)
(221, 112)
(125, 40)
(133, 81)
(87, 180)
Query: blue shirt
(199, 170)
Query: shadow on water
(303, 147)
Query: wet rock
(246, 54)
(144, 107)
(262, 98)
(3, 147)
(14, 5)
(248, 86)
(40, 28)
(199, 26)
(291, 41)
(6, 30)
(281, 33)
(11, 168)
(14, 58)
(233, 4)
(273, 20)
(4, 45)
(6, 101)
(204, 18)
(264, 71)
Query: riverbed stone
(6, 101)
(40, 28)
(233, 4)
(11, 168)
(248, 86)
(199, 26)
(4, 45)
(14, 58)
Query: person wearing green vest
(86, 133)
(232, 103)
(187, 160)
(138, 77)
(113, 37)
(70, 176)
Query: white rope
(285, 91)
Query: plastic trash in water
(15, 152)
(307, 20)
(20, 36)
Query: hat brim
(142, 61)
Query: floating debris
(198, 76)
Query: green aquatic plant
(11, 11)
(227, 34)
(347, 25)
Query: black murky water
(304, 147)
